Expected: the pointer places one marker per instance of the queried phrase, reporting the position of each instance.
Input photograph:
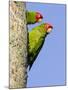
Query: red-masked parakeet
(33, 17)
(36, 40)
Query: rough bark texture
(18, 46)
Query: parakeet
(36, 40)
(33, 17)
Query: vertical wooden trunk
(18, 45)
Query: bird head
(48, 27)
(39, 17)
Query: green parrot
(33, 17)
(36, 40)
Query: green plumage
(30, 17)
(36, 40)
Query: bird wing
(36, 40)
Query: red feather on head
(39, 17)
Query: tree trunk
(17, 45)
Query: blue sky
(49, 67)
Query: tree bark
(17, 45)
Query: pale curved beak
(39, 20)
(49, 28)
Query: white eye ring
(38, 15)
